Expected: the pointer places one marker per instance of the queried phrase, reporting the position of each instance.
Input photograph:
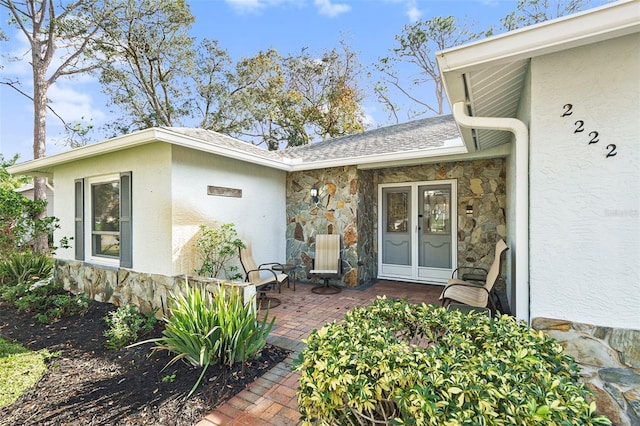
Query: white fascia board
(376, 160)
(593, 25)
(500, 151)
(43, 166)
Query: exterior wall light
(314, 193)
(469, 210)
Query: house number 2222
(594, 136)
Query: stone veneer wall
(609, 360)
(481, 184)
(336, 212)
(348, 205)
(149, 292)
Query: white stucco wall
(151, 206)
(259, 215)
(584, 207)
(524, 112)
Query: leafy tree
(293, 100)
(529, 12)
(21, 222)
(8, 181)
(270, 99)
(66, 31)
(21, 219)
(324, 95)
(416, 46)
(218, 100)
(154, 55)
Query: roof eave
(377, 160)
(593, 25)
(44, 166)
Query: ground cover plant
(86, 383)
(126, 325)
(395, 363)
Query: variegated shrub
(401, 364)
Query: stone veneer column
(336, 212)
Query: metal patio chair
(476, 290)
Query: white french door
(417, 229)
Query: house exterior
(133, 206)
(28, 192)
(542, 150)
(570, 89)
(565, 95)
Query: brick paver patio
(271, 399)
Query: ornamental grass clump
(394, 363)
(204, 329)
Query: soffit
(495, 92)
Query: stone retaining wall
(150, 292)
(609, 360)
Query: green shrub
(47, 300)
(218, 245)
(20, 268)
(204, 329)
(402, 364)
(19, 222)
(126, 325)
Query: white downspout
(521, 249)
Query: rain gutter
(521, 248)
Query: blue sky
(243, 27)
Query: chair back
(328, 252)
(248, 263)
(494, 271)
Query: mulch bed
(88, 384)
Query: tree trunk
(41, 242)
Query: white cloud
(414, 13)
(411, 8)
(73, 104)
(368, 112)
(326, 8)
(247, 6)
(19, 54)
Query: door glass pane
(437, 212)
(396, 232)
(434, 240)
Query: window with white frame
(106, 203)
(105, 219)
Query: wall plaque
(221, 191)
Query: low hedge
(401, 364)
